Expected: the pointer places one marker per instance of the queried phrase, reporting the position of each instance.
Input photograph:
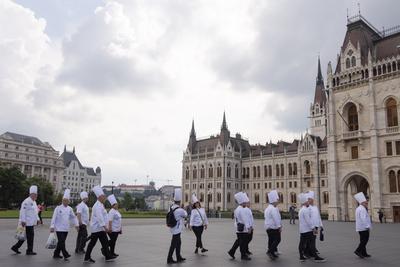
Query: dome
(98, 170)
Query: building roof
(25, 139)
(90, 171)
(68, 157)
(319, 96)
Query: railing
(351, 135)
(390, 31)
(393, 129)
(360, 17)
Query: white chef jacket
(198, 217)
(242, 216)
(99, 217)
(179, 214)
(315, 216)
(250, 214)
(272, 218)
(305, 221)
(115, 218)
(28, 212)
(363, 221)
(83, 210)
(63, 216)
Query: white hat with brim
(67, 194)
(240, 198)
(112, 200)
(177, 194)
(273, 196)
(33, 189)
(310, 194)
(194, 199)
(98, 191)
(303, 198)
(84, 195)
(360, 197)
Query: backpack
(170, 218)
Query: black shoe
(245, 258)
(90, 260)
(231, 254)
(77, 251)
(303, 259)
(111, 258)
(66, 259)
(367, 256)
(249, 253)
(57, 257)
(204, 250)
(67, 256)
(359, 254)
(115, 255)
(171, 261)
(271, 255)
(15, 250)
(319, 259)
(196, 251)
(180, 259)
(31, 253)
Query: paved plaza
(145, 243)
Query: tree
(92, 199)
(13, 189)
(140, 203)
(127, 201)
(45, 190)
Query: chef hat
(67, 194)
(303, 198)
(84, 195)
(239, 197)
(98, 191)
(33, 189)
(273, 196)
(177, 194)
(246, 198)
(112, 200)
(194, 199)
(311, 194)
(360, 197)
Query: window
(277, 170)
(322, 167)
(347, 63)
(256, 198)
(295, 184)
(290, 169)
(270, 171)
(219, 170)
(290, 184)
(210, 197)
(258, 172)
(280, 197)
(353, 61)
(392, 182)
(294, 168)
(266, 198)
(228, 171)
(354, 152)
(322, 183)
(265, 171)
(325, 196)
(228, 197)
(202, 171)
(352, 118)
(391, 113)
(194, 172)
(282, 170)
(308, 183)
(202, 197)
(397, 147)
(210, 171)
(307, 167)
(293, 198)
(389, 149)
(265, 185)
(236, 171)
(254, 172)
(219, 198)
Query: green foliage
(139, 203)
(45, 190)
(127, 201)
(92, 199)
(13, 188)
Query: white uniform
(63, 217)
(272, 218)
(242, 216)
(115, 218)
(99, 217)
(305, 221)
(29, 212)
(363, 220)
(83, 210)
(198, 217)
(250, 215)
(315, 216)
(180, 214)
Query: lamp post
(112, 187)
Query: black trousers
(249, 239)
(312, 243)
(40, 217)
(292, 218)
(198, 231)
(242, 242)
(306, 244)
(362, 247)
(81, 238)
(102, 236)
(113, 239)
(61, 237)
(274, 238)
(30, 235)
(175, 246)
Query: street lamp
(112, 187)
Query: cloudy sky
(121, 80)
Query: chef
(180, 214)
(28, 218)
(198, 223)
(114, 224)
(273, 224)
(251, 218)
(98, 226)
(82, 213)
(315, 216)
(363, 225)
(63, 216)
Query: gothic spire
(320, 80)
(319, 96)
(224, 126)
(192, 132)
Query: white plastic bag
(51, 241)
(20, 233)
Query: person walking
(198, 223)
(316, 219)
(98, 225)
(82, 213)
(251, 218)
(363, 225)
(273, 224)
(28, 218)
(114, 224)
(63, 216)
(40, 210)
(292, 214)
(380, 215)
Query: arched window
(325, 197)
(290, 169)
(389, 67)
(202, 171)
(334, 82)
(269, 170)
(295, 168)
(248, 172)
(219, 170)
(258, 172)
(201, 197)
(366, 74)
(282, 170)
(392, 182)
(228, 197)
(384, 69)
(228, 171)
(280, 197)
(187, 173)
(353, 61)
(194, 172)
(244, 173)
(209, 197)
(293, 197)
(219, 197)
(374, 73)
(236, 171)
(391, 112)
(265, 171)
(307, 167)
(277, 170)
(256, 198)
(266, 198)
(322, 166)
(210, 171)
(379, 70)
(352, 116)
(254, 172)
(186, 198)
(394, 66)
(347, 63)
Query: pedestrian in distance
(41, 208)
(292, 214)
(363, 225)
(198, 223)
(82, 213)
(114, 224)
(63, 217)
(28, 218)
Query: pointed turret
(73, 150)
(192, 138)
(225, 134)
(65, 148)
(224, 126)
(319, 96)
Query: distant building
(77, 177)
(32, 156)
(166, 197)
(121, 189)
